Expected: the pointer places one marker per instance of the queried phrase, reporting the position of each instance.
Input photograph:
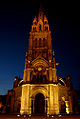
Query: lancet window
(39, 27)
(46, 28)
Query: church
(40, 91)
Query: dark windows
(39, 27)
(36, 43)
(35, 23)
(43, 42)
(46, 28)
(40, 42)
(34, 28)
(45, 22)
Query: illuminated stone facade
(40, 85)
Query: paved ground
(39, 117)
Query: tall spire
(40, 14)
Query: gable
(40, 62)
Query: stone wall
(17, 98)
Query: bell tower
(40, 71)
(40, 91)
(40, 36)
(40, 45)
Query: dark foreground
(39, 117)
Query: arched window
(34, 28)
(36, 43)
(45, 22)
(39, 27)
(35, 22)
(46, 28)
(40, 42)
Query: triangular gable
(39, 61)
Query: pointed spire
(35, 20)
(40, 14)
(45, 20)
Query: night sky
(15, 24)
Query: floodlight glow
(18, 115)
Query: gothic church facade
(40, 91)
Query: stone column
(25, 100)
(45, 106)
(51, 99)
(70, 103)
(30, 105)
(54, 102)
(50, 74)
(54, 76)
(55, 99)
(49, 41)
(33, 106)
(48, 106)
(26, 76)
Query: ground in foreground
(39, 117)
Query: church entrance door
(39, 104)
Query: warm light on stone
(39, 69)
(40, 76)
(67, 110)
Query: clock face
(39, 69)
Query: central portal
(39, 104)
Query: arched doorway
(39, 104)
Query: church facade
(40, 91)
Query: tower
(40, 71)
(40, 91)
(40, 51)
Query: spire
(35, 20)
(40, 14)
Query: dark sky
(15, 24)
